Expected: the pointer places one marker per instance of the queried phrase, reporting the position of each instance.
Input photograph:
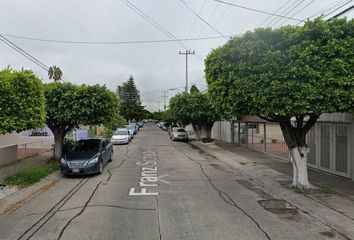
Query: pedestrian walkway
(316, 177)
(331, 202)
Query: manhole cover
(278, 206)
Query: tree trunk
(59, 135)
(295, 138)
(299, 161)
(195, 129)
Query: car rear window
(121, 132)
(181, 130)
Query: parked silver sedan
(121, 136)
(179, 133)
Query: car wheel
(110, 159)
(100, 167)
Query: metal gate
(329, 148)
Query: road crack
(120, 164)
(79, 213)
(53, 210)
(224, 196)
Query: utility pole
(187, 52)
(164, 99)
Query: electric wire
(308, 4)
(158, 25)
(24, 53)
(327, 14)
(202, 19)
(342, 12)
(275, 12)
(289, 11)
(112, 42)
(329, 7)
(257, 10)
(283, 12)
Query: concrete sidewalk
(316, 177)
(11, 197)
(331, 204)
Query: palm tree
(55, 73)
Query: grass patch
(327, 190)
(31, 175)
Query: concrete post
(265, 137)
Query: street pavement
(159, 189)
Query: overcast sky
(155, 66)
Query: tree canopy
(289, 75)
(22, 101)
(69, 106)
(194, 89)
(130, 101)
(194, 109)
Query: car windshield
(129, 127)
(120, 132)
(89, 145)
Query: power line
(27, 55)
(156, 24)
(344, 11)
(297, 12)
(151, 21)
(196, 14)
(24, 53)
(284, 12)
(288, 10)
(327, 14)
(112, 42)
(329, 7)
(195, 19)
(275, 12)
(256, 10)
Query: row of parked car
(174, 131)
(90, 155)
(125, 135)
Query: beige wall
(8, 155)
(9, 139)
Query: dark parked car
(88, 156)
(39, 132)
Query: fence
(265, 137)
(32, 148)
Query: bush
(68, 145)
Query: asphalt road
(158, 189)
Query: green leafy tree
(194, 109)
(130, 101)
(55, 73)
(289, 75)
(157, 116)
(69, 106)
(21, 102)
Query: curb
(19, 198)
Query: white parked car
(179, 133)
(121, 136)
